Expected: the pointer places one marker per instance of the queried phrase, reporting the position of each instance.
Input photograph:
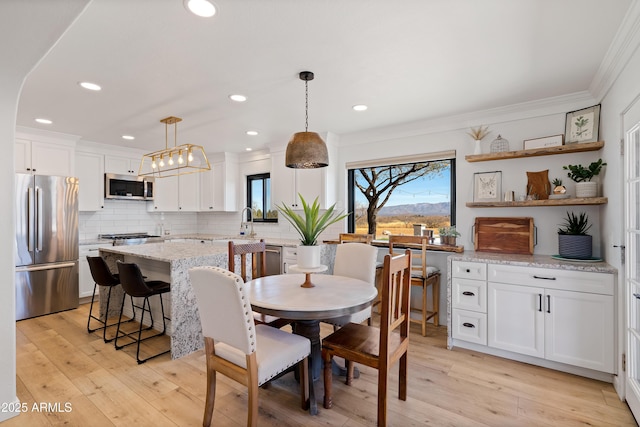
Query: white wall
(515, 128)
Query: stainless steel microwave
(128, 187)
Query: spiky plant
(312, 224)
(575, 224)
(557, 182)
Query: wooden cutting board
(510, 235)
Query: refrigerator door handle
(40, 267)
(30, 219)
(39, 219)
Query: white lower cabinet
(564, 316)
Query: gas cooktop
(131, 238)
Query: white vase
(308, 256)
(478, 149)
(586, 189)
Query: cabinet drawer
(289, 252)
(469, 270)
(469, 326)
(469, 294)
(549, 278)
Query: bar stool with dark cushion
(102, 276)
(133, 284)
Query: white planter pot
(308, 256)
(586, 189)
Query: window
(259, 198)
(402, 198)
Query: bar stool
(102, 276)
(134, 285)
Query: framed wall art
(583, 125)
(487, 186)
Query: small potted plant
(573, 240)
(558, 188)
(309, 226)
(582, 176)
(448, 235)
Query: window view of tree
(259, 198)
(400, 199)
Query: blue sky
(427, 189)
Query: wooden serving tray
(508, 235)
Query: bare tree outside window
(405, 189)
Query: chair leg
(350, 371)
(436, 302)
(115, 343)
(383, 377)
(95, 285)
(402, 377)
(211, 384)
(424, 309)
(327, 357)
(303, 367)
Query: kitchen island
(171, 261)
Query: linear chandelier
(177, 160)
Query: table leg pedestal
(311, 329)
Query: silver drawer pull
(468, 325)
(543, 278)
(637, 295)
(469, 294)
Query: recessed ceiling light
(238, 98)
(129, 137)
(203, 8)
(44, 121)
(90, 86)
(252, 132)
(248, 149)
(360, 107)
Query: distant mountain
(416, 209)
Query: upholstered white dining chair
(356, 260)
(234, 346)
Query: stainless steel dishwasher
(274, 260)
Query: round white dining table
(332, 296)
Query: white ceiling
(407, 60)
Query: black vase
(575, 246)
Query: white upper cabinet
(219, 186)
(176, 194)
(90, 172)
(287, 183)
(121, 165)
(43, 158)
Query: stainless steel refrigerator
(46, 244)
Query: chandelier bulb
(180, 159)
(153, 162)
(170, 159)
(190, 156)
(161, 160)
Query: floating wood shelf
(535, 152)
(535, 203)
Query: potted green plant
(309, 226)
(558, 188)
(448, 235)
(573, 240)
(582, 176)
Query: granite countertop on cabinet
(268, 240)
(538, 261)
(95, 241)
(170, 251)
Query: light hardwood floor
(59, 362)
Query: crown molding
(622, 48)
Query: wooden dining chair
(238, 348)
(254, 254)
(381, 347)
(355, 238)
(422, 275)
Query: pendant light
(161, 163)
(306, 150)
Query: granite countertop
(199, 236)
(168, 251)
(539, 261)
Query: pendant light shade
(177, 160)
(306, 150)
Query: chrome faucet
(252, 233)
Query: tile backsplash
(128, 216)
